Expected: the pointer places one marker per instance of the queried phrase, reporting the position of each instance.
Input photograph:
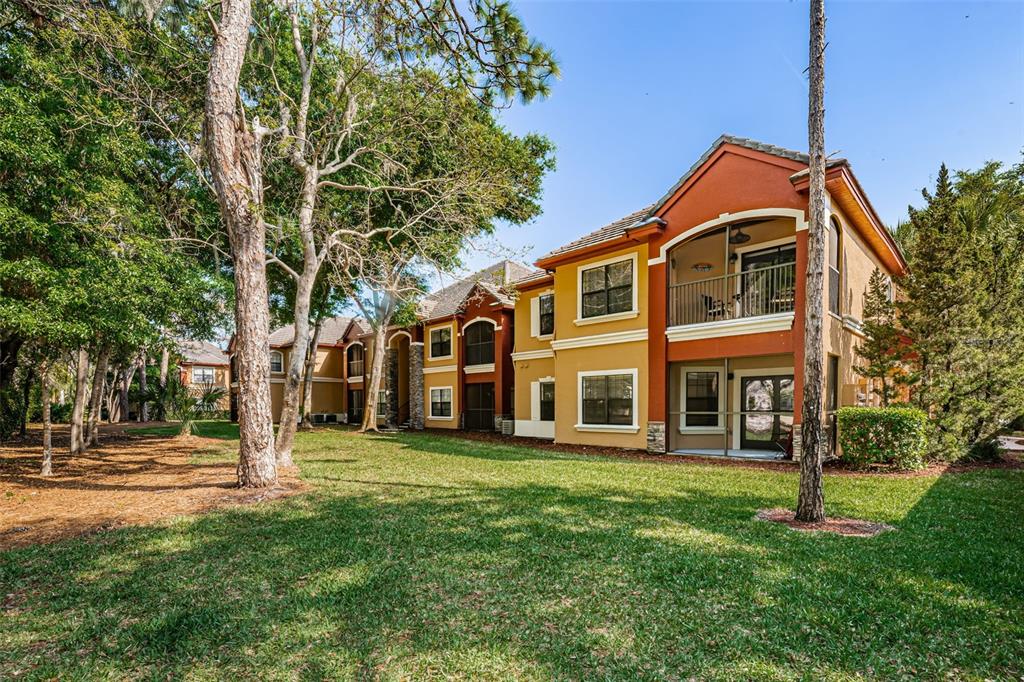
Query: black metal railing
(765, 291)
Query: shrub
(897, 436)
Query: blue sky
(646, 87)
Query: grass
(420, 556)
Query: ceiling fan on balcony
(736, 233)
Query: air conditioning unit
(319, 418)
(331, 418)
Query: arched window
(834, 260)
(355, 360)
(276, 361)
(479, 343)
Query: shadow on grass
(543, 580)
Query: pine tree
(963, 306)
(881, 347)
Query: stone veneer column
(416, 398)
(656, 437)
(391, 418)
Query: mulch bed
(127, 480)
(839, 526)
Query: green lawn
(421, 556)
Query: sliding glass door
(766, 417)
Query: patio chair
(713, 310)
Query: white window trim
(723, 388)
(535, 397)
(737, 397)
(535, 316)
(624, 315)
(398, 334)
(451, 345)
(608, 428)
(271, 360)
(430, 400)
(479, 369)
(352, 379)
(479, 318)
(210, 382)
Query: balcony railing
(765, 291)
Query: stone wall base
(656, 437)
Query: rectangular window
(608, 399)
(440, 403)
(701, 398)
(547, 401)
(382, 404)
(356, 403)
(355, 361)
(607, 289)
(834, 282)
(547, 314)
(202, 375)
(441, 342)
(276, 362)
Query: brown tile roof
(534, 276)
(332, 332)
(201, 353)
(611, 231)
(619, 227)
(495, 278)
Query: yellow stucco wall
(428, 360)
(528, 371)
(448, 379)
(611, 358)
(524, 338)
(567, 297)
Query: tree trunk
(300, 343)
(380, 335)
(26, 395)
(78, 410)
(143, 403)
(110, 393)
(165, 361)
(307, 381)
(47, 468)
(126, 383)
(235, 167)
(9, 348)
(99, 378)
(811, 500)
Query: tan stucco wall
(622, 356)
(327, 397)
(858, 261)
(450, 379)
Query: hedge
(883, 435)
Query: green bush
(897, 436)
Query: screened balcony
(744, 270)
(764, 291)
